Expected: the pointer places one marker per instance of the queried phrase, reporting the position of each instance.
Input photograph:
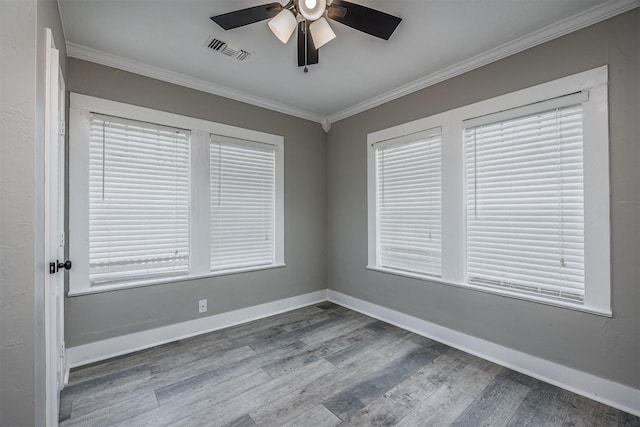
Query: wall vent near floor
(226, 49)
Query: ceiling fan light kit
(309, 17)
(283, 25)
(321, 32)
(310, 10)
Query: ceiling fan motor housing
(311, 9)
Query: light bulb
(310, 3)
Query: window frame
(81, 107)
(596, 186)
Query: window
(138, 200)
(524, 206)
(525, 203)
(157, 197)
(242, 203)
(407, 171)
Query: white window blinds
(525, 208)
(408, 207)
(242, 197)
(138, 200)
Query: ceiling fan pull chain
(306, 46)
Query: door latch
(54, 267)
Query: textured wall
(99, 316)
(601, 346)
(22, 62)
(17, 225)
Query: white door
(54, 232)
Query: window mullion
(453, 208)
(199, 230)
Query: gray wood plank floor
(322, 365)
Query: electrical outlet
(202, 306)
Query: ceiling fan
(308, 16)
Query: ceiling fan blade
(247, 16)
(310, 51)
(362, 18)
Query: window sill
(152, 282)
(500, 292)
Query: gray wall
(22, 65)
(605, 347)
(17, 227)
(100, 316)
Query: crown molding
(581, 20)
(92, 55)
(326, 125)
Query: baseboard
(112, 347)
(599, 389)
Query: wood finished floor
(321, 365)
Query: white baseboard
(602, 390)
(106, 349)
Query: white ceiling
(436, 39)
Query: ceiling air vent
(233, 52)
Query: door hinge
(52, 268)
(61, 239)
(62, 350)
(62, 129)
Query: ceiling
(436, 39)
